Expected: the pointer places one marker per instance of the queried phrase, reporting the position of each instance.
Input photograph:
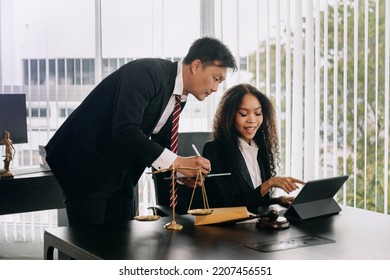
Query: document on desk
(224, 215)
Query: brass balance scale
(199, 182)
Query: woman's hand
(285, 201)
(288, 184)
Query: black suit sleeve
(136, 112)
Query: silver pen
(205, 176)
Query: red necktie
(175, 124)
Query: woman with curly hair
(245, 143)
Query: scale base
(173, 226)
(6, 174)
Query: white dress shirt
(249, 152)
(166, 159)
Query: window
(65, 112)
(36, 69)
(88, 71)
(38, 113)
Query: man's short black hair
(210, 51)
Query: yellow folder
(223, 215)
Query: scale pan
(147, 218)
(199, 212)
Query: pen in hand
(197, 153)
(196, 150)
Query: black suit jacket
(106, 140)
(236, 189)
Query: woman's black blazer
(236, 189)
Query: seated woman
(245, 143)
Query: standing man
(124, 125)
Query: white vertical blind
(335, 86)
(98, 40)
(297, 102)
(267, 51)
(317, 78)
(355, 95)
(365, 99)
(309, 128)
(329, 106)
(387, 92)
(288, 114)
(207, 26)
(325, 91)
(345, 96)
(376, 101)
(278, 70)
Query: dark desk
(358, 234)
(32, 192)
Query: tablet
(316, 199)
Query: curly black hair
(225, 133)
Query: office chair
(163, 187)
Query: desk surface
(358, 234)
(31, 192)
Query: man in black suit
(124, 125)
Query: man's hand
(195, 163)
(190, 181)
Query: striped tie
(175, 124)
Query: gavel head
(270, 220)
(272, 214)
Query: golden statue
(9, 154)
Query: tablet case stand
(308, 210)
